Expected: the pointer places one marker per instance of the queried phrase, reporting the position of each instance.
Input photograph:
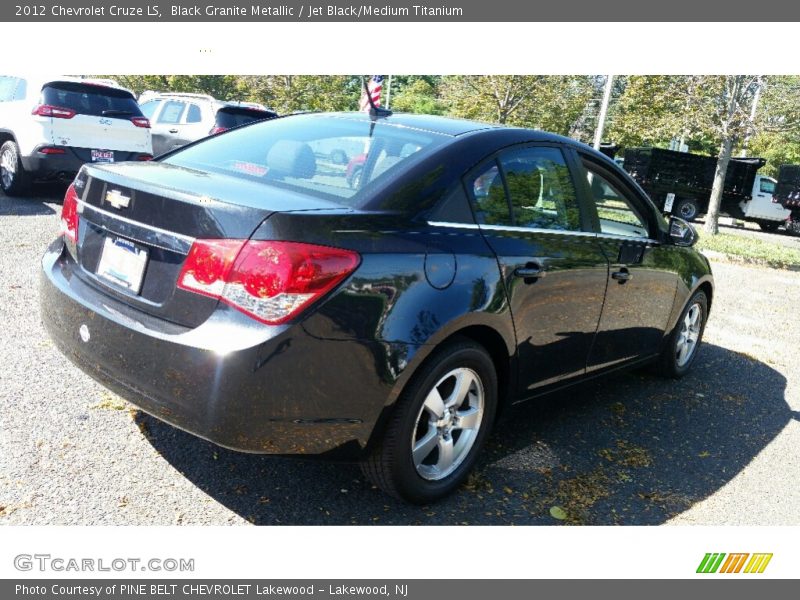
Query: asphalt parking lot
(718, 447)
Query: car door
(167, 126)
(642, 281)
(555, 274)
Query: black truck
(681, 182)
(787, 194)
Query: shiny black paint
(326, 383)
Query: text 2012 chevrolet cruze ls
(245, 289)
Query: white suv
(49, 127)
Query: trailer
(680, 183)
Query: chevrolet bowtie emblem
(117, 199)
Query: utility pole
(756, 98)
(601, 119)
(388, 91)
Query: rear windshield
(230, 117)
(88, 99)
(331, 157)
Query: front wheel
(438, 427)
(681, 349)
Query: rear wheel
(687, 209)
(681, 350)
(438, 427)
(13, 178)
(768, 225)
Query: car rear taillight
(51, 150)
(216, 130)
(46, 110)
(69, 215)
(270, 281)
(145, 157)
(141, 122)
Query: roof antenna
(374, 111)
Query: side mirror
(681, 233)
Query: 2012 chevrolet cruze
(245, 289)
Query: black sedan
(244, 289)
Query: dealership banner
(371, 589)
(401, 10)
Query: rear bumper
(53, 166)
(236, 383)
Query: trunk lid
(154, 212)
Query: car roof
(454, 127)
(152, 95)
(41, 81)
(432, 123)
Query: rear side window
(331, 157)
(527, 187)
(88, 99)
(194, 115)
(233, 117)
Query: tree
(552, 103)
(293, 93)
(730, 98)
(223, 87)
(417, 96)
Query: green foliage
(416, 96)
(751, 250)
(553, 103)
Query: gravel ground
(718, 447)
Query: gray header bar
(399, 10)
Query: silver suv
(178, 119)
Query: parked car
(244, 291)
(49, 127)
(179, 119)
(235, 114)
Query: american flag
(375, 88)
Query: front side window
(617, 213)
(767, 186)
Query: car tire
(682, 346)
(769, 226)
(438, 427)
(355, 177)
(687, 209)
(14, 180)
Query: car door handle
(622, 275)
(530, 271)
(173, 131)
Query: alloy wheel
(689, 334)
(447, 424)
(7, 168)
